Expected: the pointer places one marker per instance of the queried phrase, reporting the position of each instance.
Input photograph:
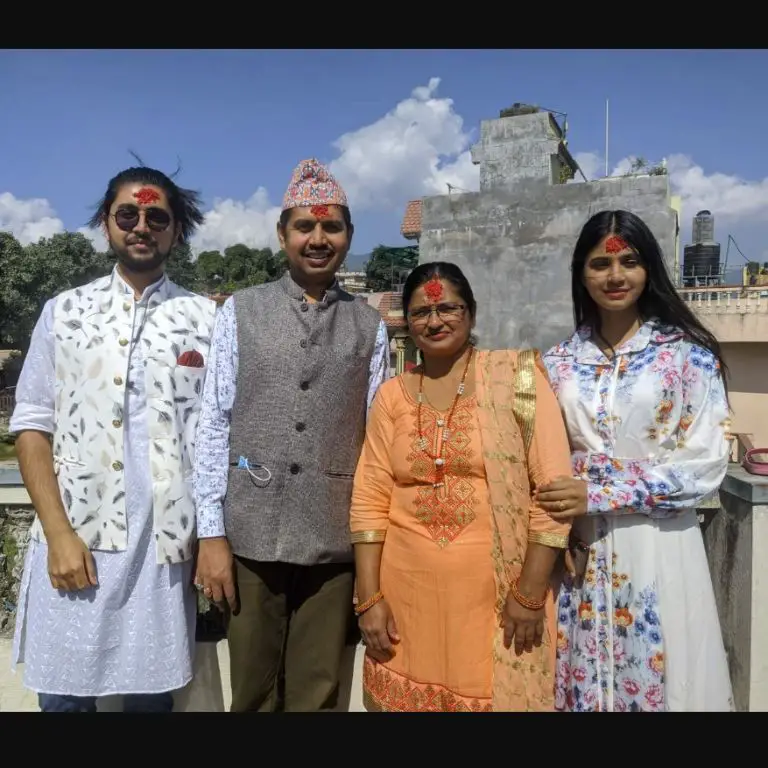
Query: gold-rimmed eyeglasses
(446, 312)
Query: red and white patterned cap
(313, 184)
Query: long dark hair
(446, 271)
(659, 298)
(184, 203)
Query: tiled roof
(390, 308)
(411, 227)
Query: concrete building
(513, 239)
(352, 282)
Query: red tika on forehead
(145, 196)
(433, 290)
(320, 211)
(616, 244)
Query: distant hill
(356, 261)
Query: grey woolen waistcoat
(300, 411)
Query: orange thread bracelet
(526, 602)
(361, 608)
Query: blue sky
(241, 120)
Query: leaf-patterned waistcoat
(93, 327)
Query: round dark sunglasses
(127, 217)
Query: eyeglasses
(446, 312)
(127, 217)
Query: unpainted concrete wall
(515, 242)
(514, 238)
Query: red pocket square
(191, 359)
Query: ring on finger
(561, 506)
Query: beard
(148, 264)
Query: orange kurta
(437, 568)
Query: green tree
(210, 271)
(242, 266)
(388, 266)
(279, 264)
(181, 269)
(36, 273)
(15, 275)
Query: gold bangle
(361, 608)
(527, 602)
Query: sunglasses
(127, 217)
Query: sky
(392, 125)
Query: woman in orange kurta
(454, 560)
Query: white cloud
(729, 197)
(96, 236)
(412, 151)
(230, 221)
(415, 149)
(591, 165)
(28, 220)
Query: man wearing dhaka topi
(294, 368)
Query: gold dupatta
(506, 397)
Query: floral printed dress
(648, 431)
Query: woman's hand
(563, 498)
(522, 625)
(377, 626)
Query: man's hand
(70, 563)
(216, 570)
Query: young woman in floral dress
(641, 384)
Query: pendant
(440, 423)
(439, 461)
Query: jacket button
(117, 423)
(126, 305)
(304, 308)
(295, 469)
(118, 380)
(301, 426)
(117, 465)
(123, 342)
(303, 343)
(304, 385)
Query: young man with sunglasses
(106, 412)
(294, 366)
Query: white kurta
(135, 631)
(649, 434)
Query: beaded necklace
(439, 458)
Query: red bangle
(527, 602)
(361, 608)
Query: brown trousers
(287, 640)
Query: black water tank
(701, 263)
